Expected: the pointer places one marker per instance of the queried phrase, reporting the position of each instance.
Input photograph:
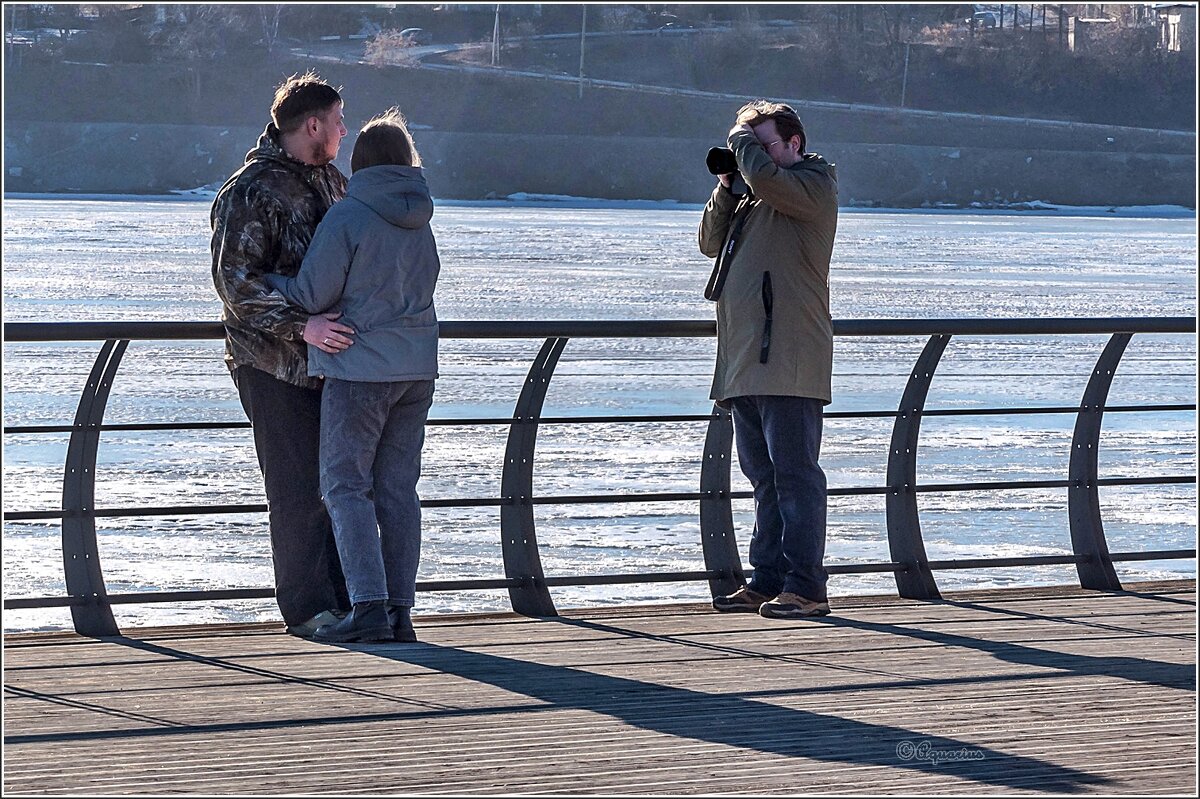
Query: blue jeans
(779, 443)
(371, 439)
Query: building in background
(1176, 26)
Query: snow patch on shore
(534, 200)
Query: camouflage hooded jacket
(263, 220)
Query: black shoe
(368, 621)
(400, 618)
(306, 630)
(743, 600)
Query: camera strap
(716, 281)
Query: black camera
(721, 161)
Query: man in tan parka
(773, 244)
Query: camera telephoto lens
(721, 161)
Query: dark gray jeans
(779, 444)
(371, 439)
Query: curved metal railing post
(716, 508)
(91, 612)
(518, 535)
(903, 522)
(1083, 497)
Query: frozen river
(124, 260)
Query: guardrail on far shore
(528, 587)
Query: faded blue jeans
(371, 439)
(779, 444)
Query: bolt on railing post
(81, 555)
(903, 522)
(518, 535)
(1083, 497)
(716, 508)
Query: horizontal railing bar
(1048, 410)
(27, 603)
(1146, 481)
(1018, 411)
(602, 499)
(679, 417)
(115, 513)
(85, 331)
(936, 488)
(469, 502)
(191, 596)
(152, 597)
(622, 579)
(986, 563)
(833, 414)
(1054, 560)
(143, 426)
(933, 488)
(1160, 554)
(150, 426)
(863, 568)
(35, 515)
(204, 510)
(472, 585)
(148, 597)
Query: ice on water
(108, 259)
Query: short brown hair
(384, 141)
(300, 97)
(787, 121)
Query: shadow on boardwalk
(732, 720)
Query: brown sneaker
(792, 606)
(742, 600)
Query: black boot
(368, 621)
(400, 618)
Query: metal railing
(527, 585)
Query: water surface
(123, 260)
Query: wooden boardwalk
(1015, 691)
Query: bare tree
(269, 16)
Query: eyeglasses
(771, 144)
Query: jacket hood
(270, 149)
(399, 194)
(816, 163)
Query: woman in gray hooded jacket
(373, 259)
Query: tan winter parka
(791, 220)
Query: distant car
(986, 19)
(418, 36)
(675, 27)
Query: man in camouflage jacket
(263, 220)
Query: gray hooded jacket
(374, 259)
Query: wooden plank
(1055, 689)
